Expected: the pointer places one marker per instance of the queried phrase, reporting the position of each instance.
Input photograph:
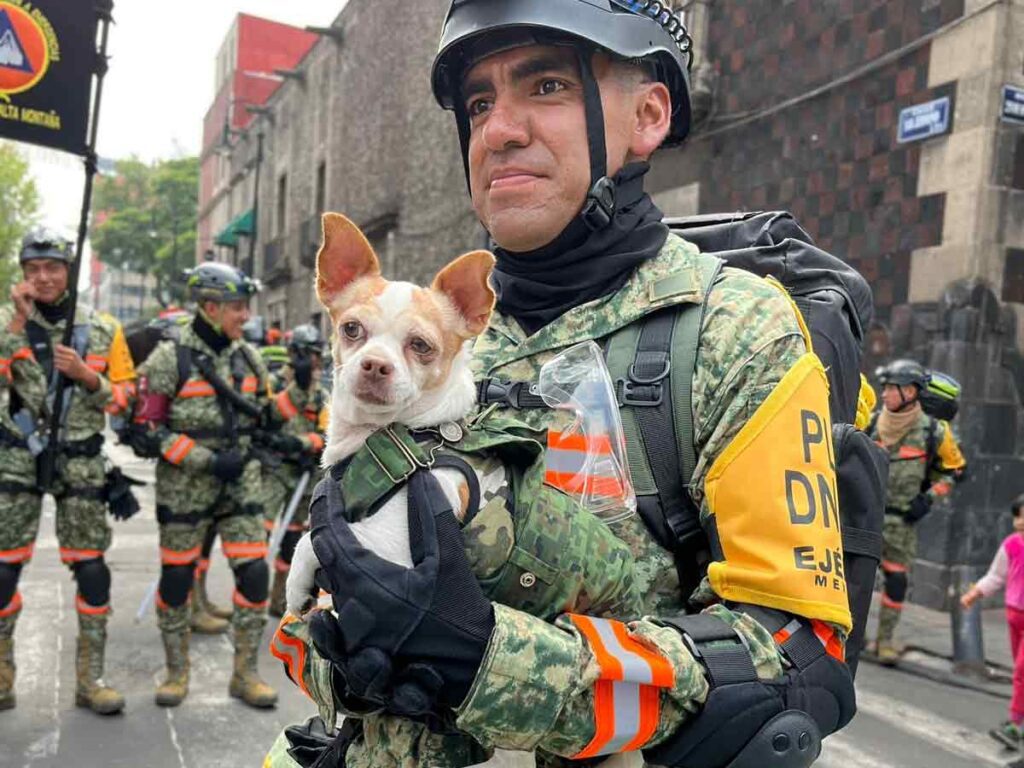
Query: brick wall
(832, 160)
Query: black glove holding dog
(406, 639)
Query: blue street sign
(1013, 104)
(923, 121)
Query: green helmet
(214, 281)
(306, 338)
(45, 243)
(903, 373)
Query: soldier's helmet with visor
(45, 243)
(645, 32)
(213, 281)
(904, 373)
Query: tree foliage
(19, 202)
(145, 220)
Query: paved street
(904, 721)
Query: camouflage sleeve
(160, 372)
(309, 671)
(949, 462)
(98, 361)
(17, 362)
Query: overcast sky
(160, 85)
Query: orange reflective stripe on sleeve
(12, 607)
(317, 442)
(242, 602)
(626, 698)
(25, 353)
(244, 550)
(179, 557)
(70, 555)
(5, 367)
(90, 610)
(250, 384)
(96, 363)
(285, 406)
(179, 449)
(118, 399)
(908, 453)
(19, 555)
(291, 652)
(566, 464)
(199, 388)
(830, 639)
(942, 488)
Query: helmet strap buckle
(599, 207)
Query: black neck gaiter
(581, 265)
(214, 339)
(54, 313)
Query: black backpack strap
(931, 452)
(184, 357)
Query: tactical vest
(652, 364)
(532, 548)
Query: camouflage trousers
(236, 512)
(83, 533)
(899, 548)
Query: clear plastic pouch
(587, 458)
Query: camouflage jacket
(194, 427)
(909, 469)
(536, 687)
(304, 412)
(23, 378)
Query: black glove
(227, 466)
(430, 622)
(119, 496)
(288, 445)
(302, 366)
(920, 506)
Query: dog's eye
(419, 346)
(353, 331)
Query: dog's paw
(301, 590)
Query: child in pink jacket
(1007, 571)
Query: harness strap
(718, 647)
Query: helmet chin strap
(599, 207)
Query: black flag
(47, 60)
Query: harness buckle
(639, 395)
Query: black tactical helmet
(306, 337)
(213, 281)
(903, 373)
(629, 29)
(45, 243)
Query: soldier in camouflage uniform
(302, 405)
(582, 256)
(924, 462)
(200, 403)
(99, 369)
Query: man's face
(529, 164)
(48, 278)
(229, 315)
(895, 397)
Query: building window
(1013, 276)
(282, 204)
(320, 201)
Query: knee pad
(175, 584)
(252, 579)
(896, 586)
(9, 575)
(287, 550)
(93, 577)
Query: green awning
(242, 225)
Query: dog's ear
(345, 256)
(466, 283)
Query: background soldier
(200, 402)
(924, 462)
(99, 369)
(303, 407)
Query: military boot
(201, 602)
(245, 682)
(7, 697)
(90, 690)
(278, 599)
(173, 690)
